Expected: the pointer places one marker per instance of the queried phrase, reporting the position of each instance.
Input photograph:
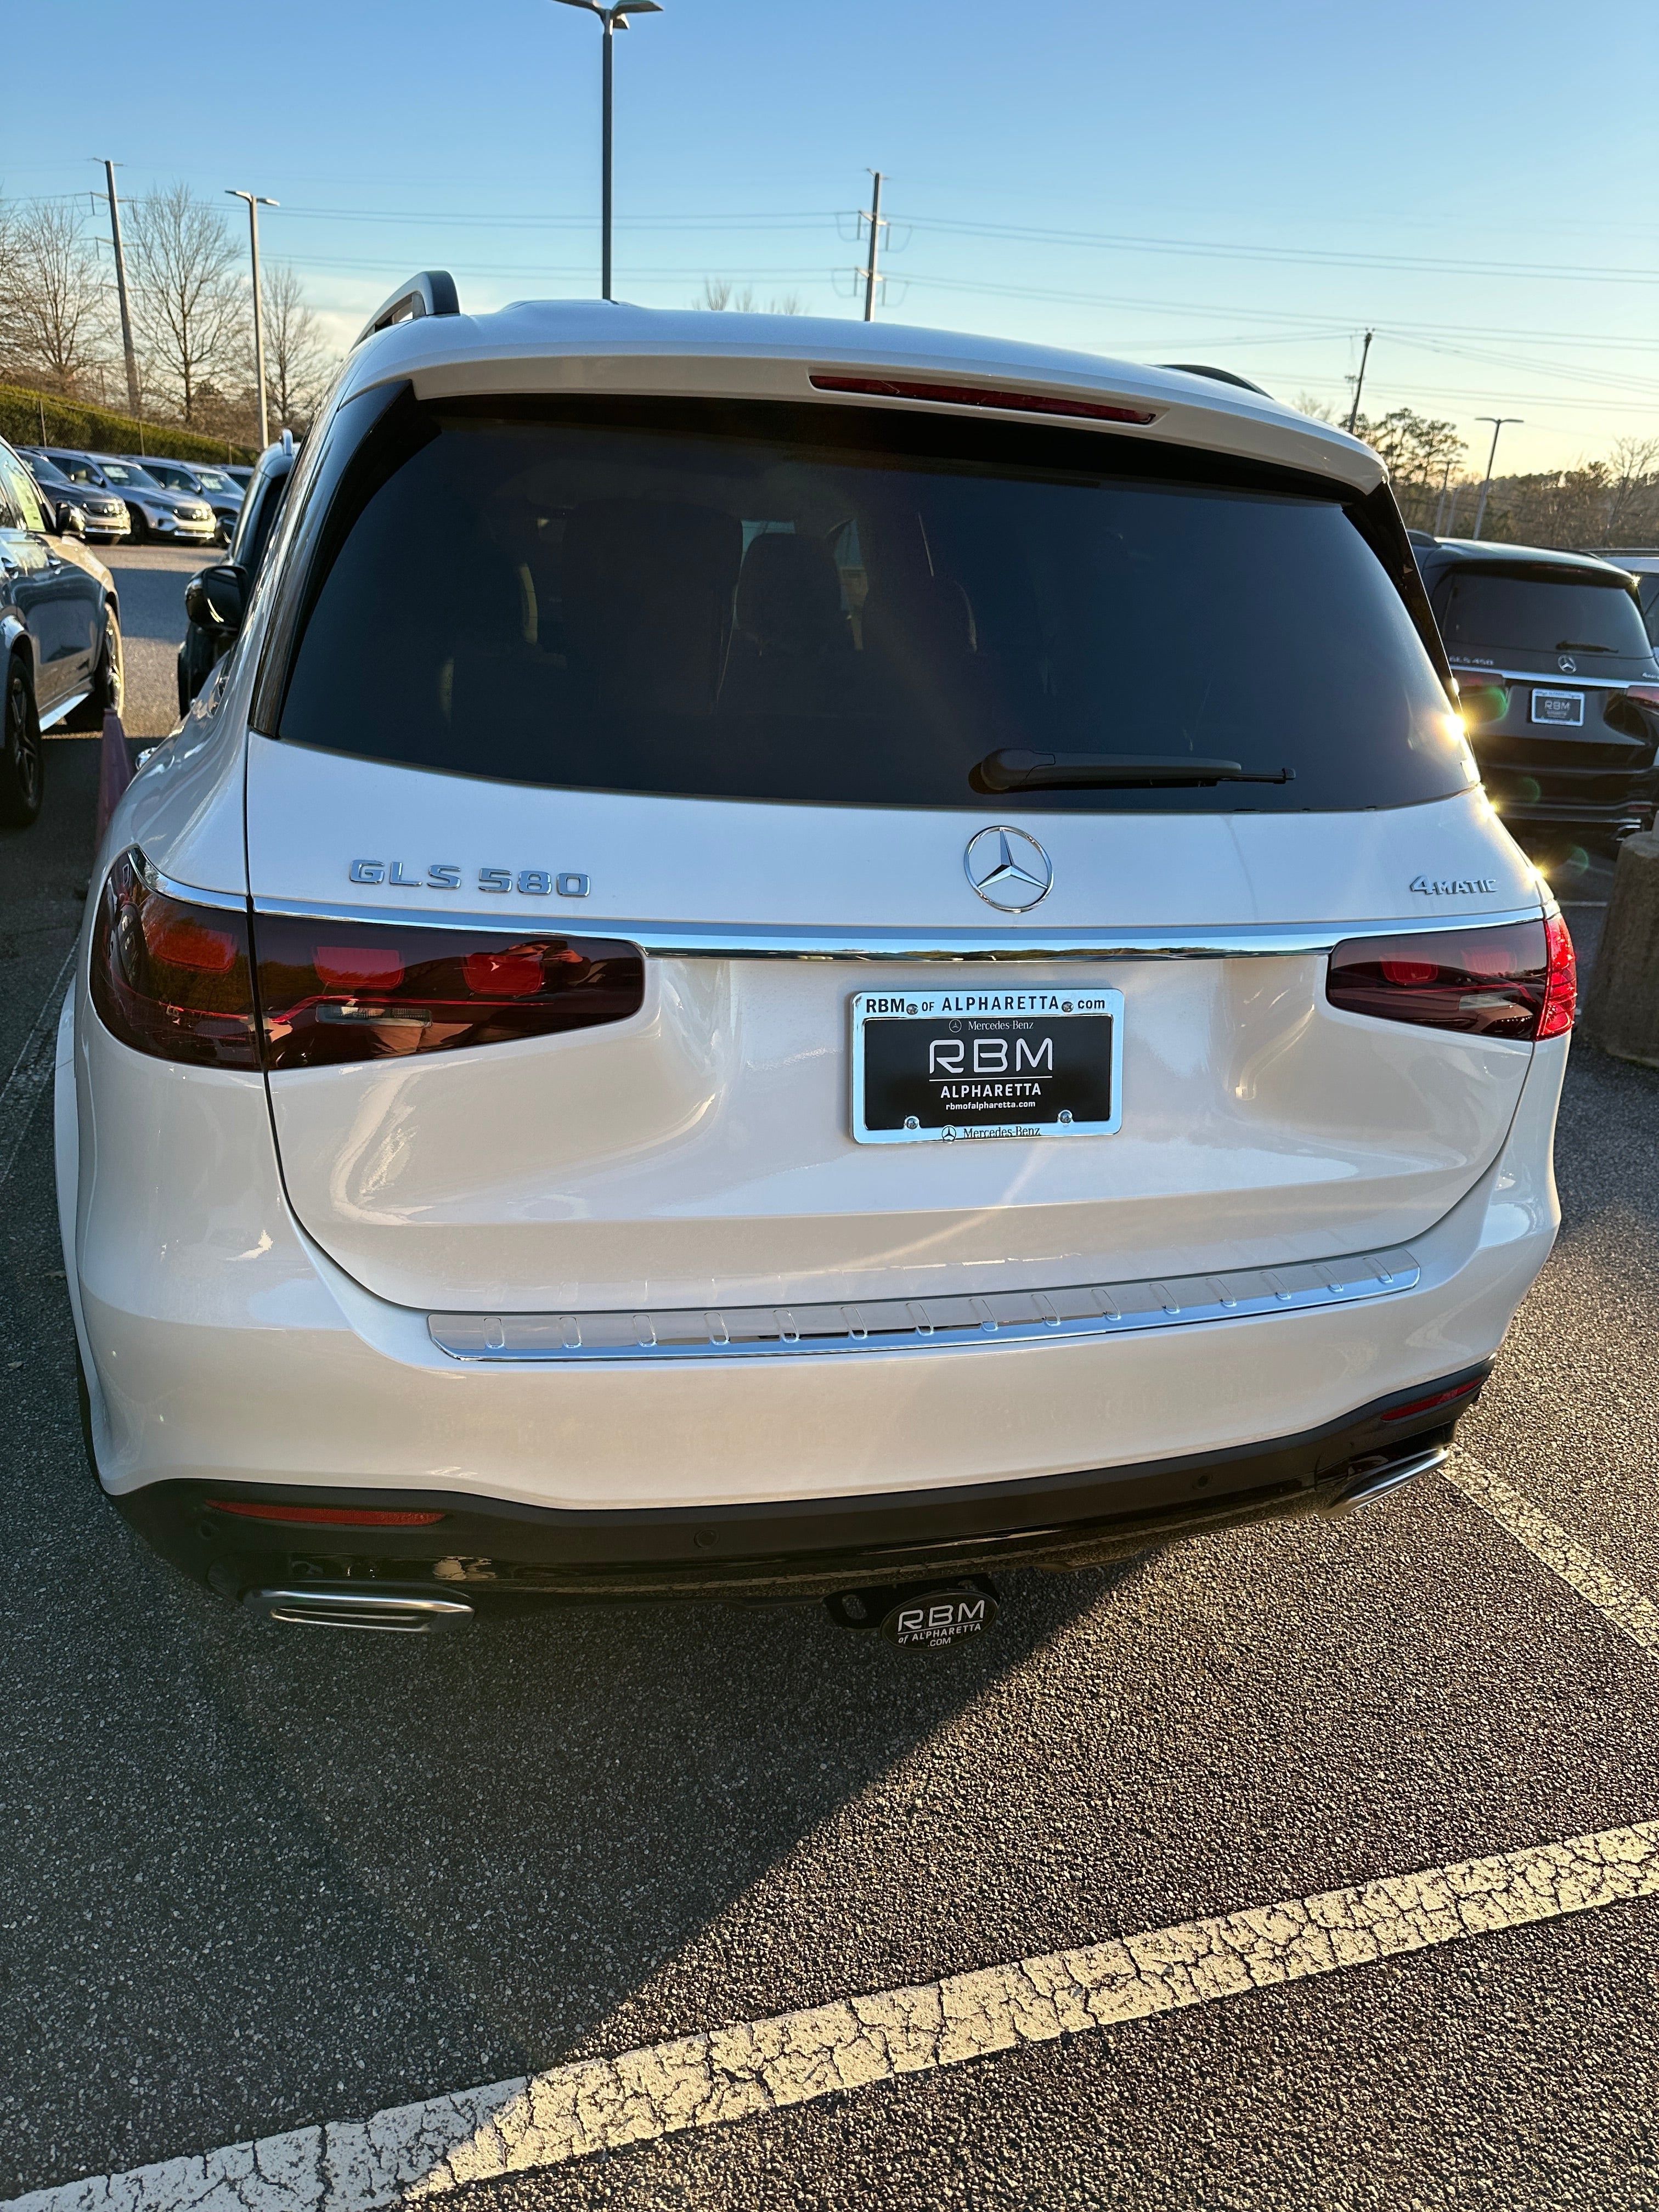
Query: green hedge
(100, 430)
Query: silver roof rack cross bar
(430, 293)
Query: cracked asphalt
(253, 1881)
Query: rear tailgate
(702, 1151)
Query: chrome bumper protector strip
(888, 1325)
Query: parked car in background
(239, 472)
(166, 516)
(195, 481)
(206, 639)
(1641, 561)
(105, 515)
(1559, 687)
(632, 1039)
(60, 635)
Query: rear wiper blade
(1580, 645)
(1013, 769)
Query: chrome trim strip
(63, 707)
(888, 1325)
(744, 941)
(187, 894)
(1555, 683)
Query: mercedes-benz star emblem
(1008, 869)
(1567, 665)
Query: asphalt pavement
(150, 580)
(253, 1880)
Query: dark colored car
(1559, 685)
(106, 516)
(168, 517)
(199, 480)
(206, 639)
(60, 635)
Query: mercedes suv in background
(177, 516)
(207, 638)
(105, 515)
(796, 958)
(198, 481)
(1559, 685)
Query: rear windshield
(832, 605)
(1648, 589)
(1491, 610)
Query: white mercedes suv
(789, 959)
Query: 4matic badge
(445, 876)
(1452, 886)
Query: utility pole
(1440, 505)
(872, 275)
(254, 204)
(121, 291)
(1359, 381)
(1497, 423)
(612, 18)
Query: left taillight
(212, 986)
(1517, 981)
(171, 979)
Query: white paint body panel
(250, 1322)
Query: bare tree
(717, 293)
(189, 306)
(297, 362)
(51, 295)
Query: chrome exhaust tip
(393, 1615)
(1376, 1477)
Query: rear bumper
(227, 1357)
(485, 1550)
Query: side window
(18, 510)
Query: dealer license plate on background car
(943, 1065)
(1557, 705)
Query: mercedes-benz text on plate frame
(946, 1065)
(1008, 869)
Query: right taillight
(1516, 981)
(211, 985)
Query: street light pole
(611, 20)
(1497, 423)
(254, 204)
(1359, 381)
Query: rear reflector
(325, 1517)
(1517, 981)
(1645, 695)
(979, 395)
(1436, 1399)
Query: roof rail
(431, 293)
(1221, 375)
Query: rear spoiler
(430, 293)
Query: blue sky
(1250, 186)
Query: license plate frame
(1035, 1018)
(1554, 696)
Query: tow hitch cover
(930, 1614)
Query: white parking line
(763, 2066)
(33, 1065)
(1549, 1543)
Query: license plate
(941, 1066)
(1557, 705)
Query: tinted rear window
(836, 606)
(1488, 610)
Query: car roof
(596, 346)
(1452, 552)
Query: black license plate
(933, 1065)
